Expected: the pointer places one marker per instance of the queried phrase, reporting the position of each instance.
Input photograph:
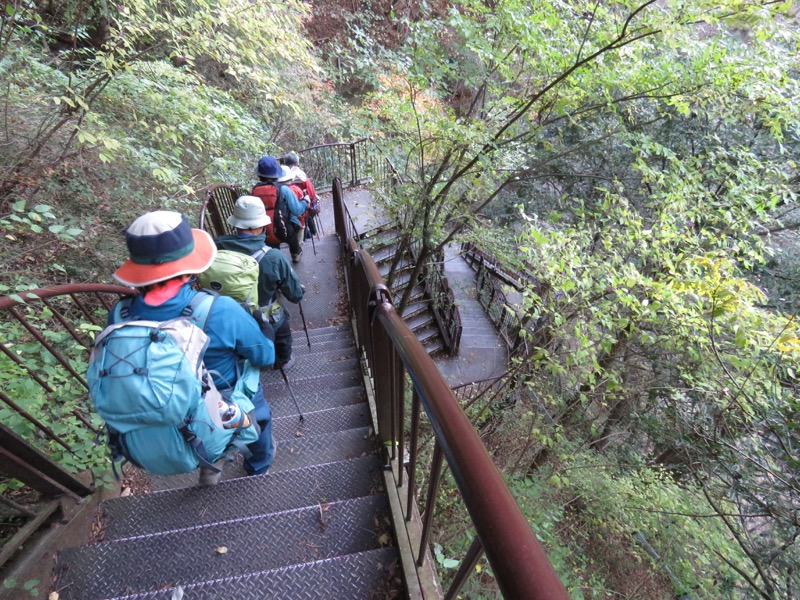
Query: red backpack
(313, 202)
(277, 210)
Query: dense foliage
(111, 109)
(638, 155)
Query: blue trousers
(263, 448)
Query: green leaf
(18, 206)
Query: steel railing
(394, 356)
(356, 163)
(491, 296)
(45, 336)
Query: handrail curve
(518, 561)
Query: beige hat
(249, 213)
(298, 175)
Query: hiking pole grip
(291, 393)
(305, 328)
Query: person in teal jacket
(276, 275)
(165, 254)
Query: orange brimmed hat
(161, 246)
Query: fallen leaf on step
(383, 539)
(222, 550)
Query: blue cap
(268, 168)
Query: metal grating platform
(321, 422)
(225, 549)
(320, 449)
(239, 498)
(372, 575)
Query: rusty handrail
(13, 310)
(518, 561)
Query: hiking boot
(208, 477)
(296, 257)
(288, 364)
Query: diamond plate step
(319, 449)
(300, 347)
(324, 333)
(419, 321)
(347, 375)
(339, 418)
(240, 498)
(154, 562)
(308, 362)
(311, 401)
(371, 574)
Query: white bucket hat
(286, 175)
(249, 213)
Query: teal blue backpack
(149, 384)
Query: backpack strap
(261, 253)
(196, 444)
(199, 308)
(121, 311)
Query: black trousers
(294, 243)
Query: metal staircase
(317, 526)
(418, 313)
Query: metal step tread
(242, 545)
(314, 365)
(427, 333)
(370, 574)
(348, 374)
(420, 320)
(330, 420)
(413, 308)
(300, 346)
(310, 401)
(332, 331)
(177, 509)
(320, 449)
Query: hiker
(165, 254)
(287, 179)
(250, 220)
(299, 178)
(268, 171)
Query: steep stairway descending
(317, 526)
(417, 314)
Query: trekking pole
(302, 316)
(313, 245)
(291, 393)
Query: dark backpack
(277, 210)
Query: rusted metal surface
(47, 324)
(218, 206)
(518, 561)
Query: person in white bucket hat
(165, 254)
(250, 220)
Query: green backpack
(236, 275)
